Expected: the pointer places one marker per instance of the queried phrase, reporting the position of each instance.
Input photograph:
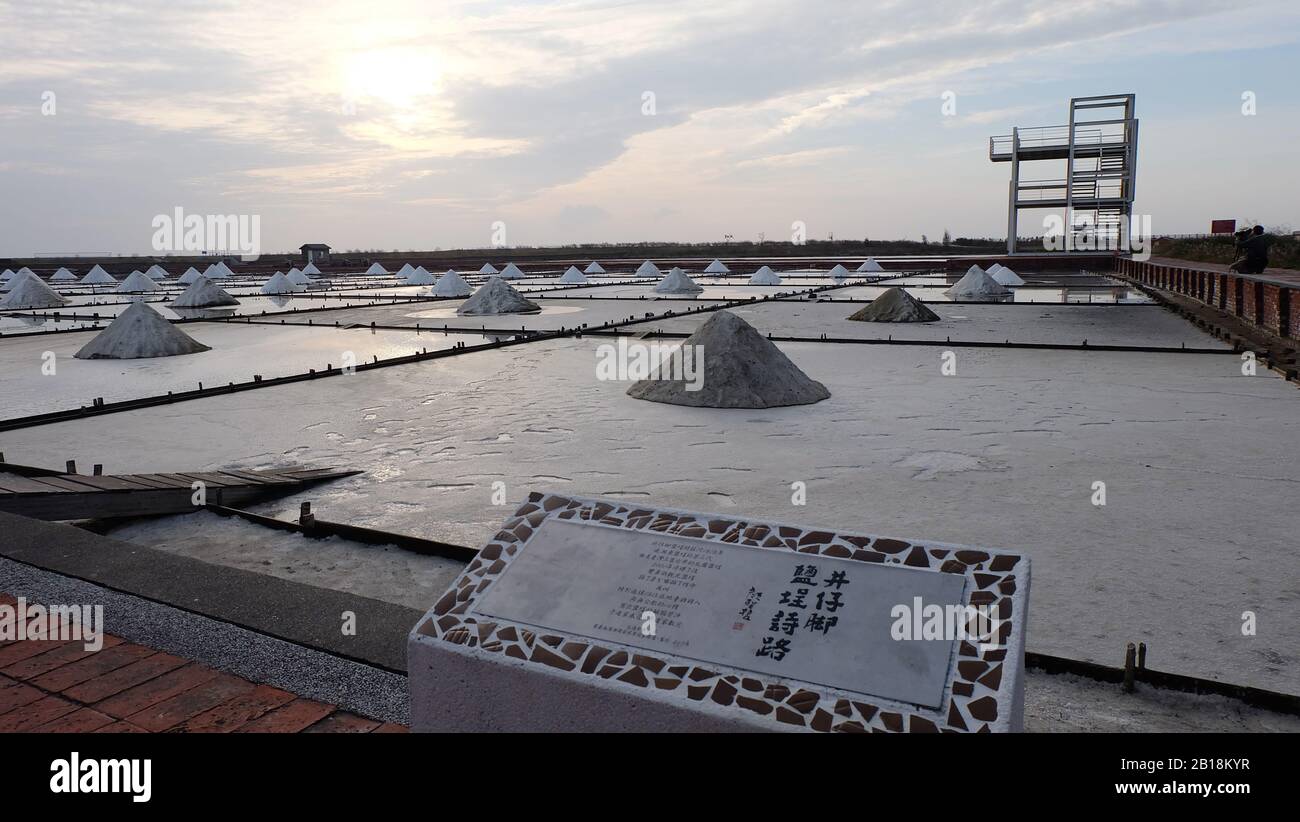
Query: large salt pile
(839, 272)
(676, 282)
(376, 270)
(648, 269)
(7, 275)
(870, 265)
(191, 274)
(311, 270)
(203, 293)
(736, 367)
(405, 271)
(26, 270)
(488, 268)
(496, 296)
(420, 277)
(30, 291)
(156, 272)
(98, 276)
(895, 306)
(511, 272)
(976, 285)
(135, 283)
(573, 276)
(450, 284)
(139, 332)
(63, 275)
(716, 267)
(300, 277)
(595, 268)
(765, 276)
(1005, 276)
(280, 284)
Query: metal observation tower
(1099, 147)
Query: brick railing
(1270, 306)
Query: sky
(422, 125)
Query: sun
(398, 77)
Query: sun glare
(398, 77)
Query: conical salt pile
(311, 270)
(488, 268)
(676, 282)
(63, 275)
(716, 267)
(740, 368)
(595, 268)
(420, 277)
(870, 265)
(1005, 276)
(138, 332)
(976, 285)
(156, 272)
(299, 277)
(376, 270)
(203, 293)
(573, 276)
(279, 284)
(136, 283)
(648, 269)
(6, 276)
(511, 272)
(765, 276)
(405, 271)
(895, 306)
(98, 276)
(26, 270)
(497, 296)
(191, 274)
(839, 272)
(450, 284)
(30, 291)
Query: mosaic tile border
(978, 692)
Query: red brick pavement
(57, 686)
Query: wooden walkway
(50, 495)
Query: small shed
(318, 253)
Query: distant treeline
(1284, 253)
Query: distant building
(318, 253)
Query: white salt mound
(1005, 276)
(716, 267)
(98, 276)
(595, 268)
(497, 296)
(419, 277)
(156, 272)
(741, 369)
(648, 269)
(136, 283)
(895, 305)
(488, 268)
(139, 332)
(839, 272)
(280, 284)
(765, 276)
(26, 270)
(191, 274)
(300, 277)
(6, 276)
(676, 282)
(203, 293)
(572, 276)
(376, 270)
(511, 272)
(450, 284)
(30, 291)
(63, 275)
(405, 271)
(870, 265)
(976, 285)
(311, 270)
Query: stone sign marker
(586, 614)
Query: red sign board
(1223, 226)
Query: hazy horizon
(396, 125)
